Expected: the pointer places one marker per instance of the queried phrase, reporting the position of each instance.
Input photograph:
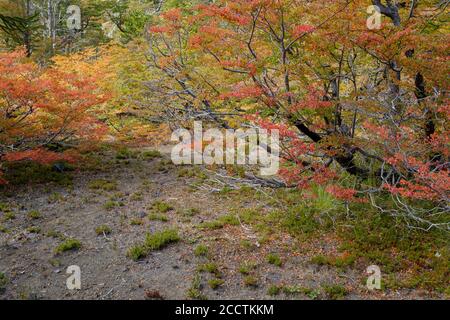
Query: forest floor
(222, 251)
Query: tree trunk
(27, 34)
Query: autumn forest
(216, 149)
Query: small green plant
(226, 190)
(344, 261)
(102, 184)
(54, 262)
(161, 207)
(323, 201)
(185, 172)
(201, 250)
(246, 267)
(229, 219)
(3, 281)
(22, 172)
(246, 244)
(136, 222)
(195, 294)
(236, 170)
(299, 221)
(210, 267)
(274, 259)
(109, 205)
(291, 290)
(335, 291)
(137, 196)
(244, 270)
(34, 229)
(294, 289)
(67, 245)
(137, 252)
(116, 196)
(250, 281)
(157, 217)
(200, 174)
(4, 207)
(194, 291)
(215, 283)
(9, 216)
(320, 260)
(190, 212)
(34, 214)
(55, 197)
(54, 234)
(312, 294)
(213, 225)
(161, 239)
(125, 154)
(3, 229)
(151, 154)
(273, 290)
(156, 241)
(338, 262)
(163, 166)
(102, 230)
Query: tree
(124, 82)
(42, 108)
(21, 27)
(349, 102)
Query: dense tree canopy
(362, 111)
(369, 103)
(41, 108)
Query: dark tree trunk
(27, 34)
(346, 160)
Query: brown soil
(34, 271)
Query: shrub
(34, 214)
(23, 172)
(158, 217)
(161, 207)
(3, 281)
(9, 216)
(4, 207)
(67, 245)
(274, 259)
(190, 212)
(213, 225)
(137, 252)
(215, 283)
(102, 184)
(294, 290)
(34, 229)
(194, 291)
(109, 205)
(273, 290)
(102, 230)
(247, 267)
(55, 197)
(335, 291)
(161, 239)
(250, 281)
(201, 250)
(51, 103)
(209, 267)
(124, 154)
(152, 154)
(136, 222)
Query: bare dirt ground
(35, 271)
